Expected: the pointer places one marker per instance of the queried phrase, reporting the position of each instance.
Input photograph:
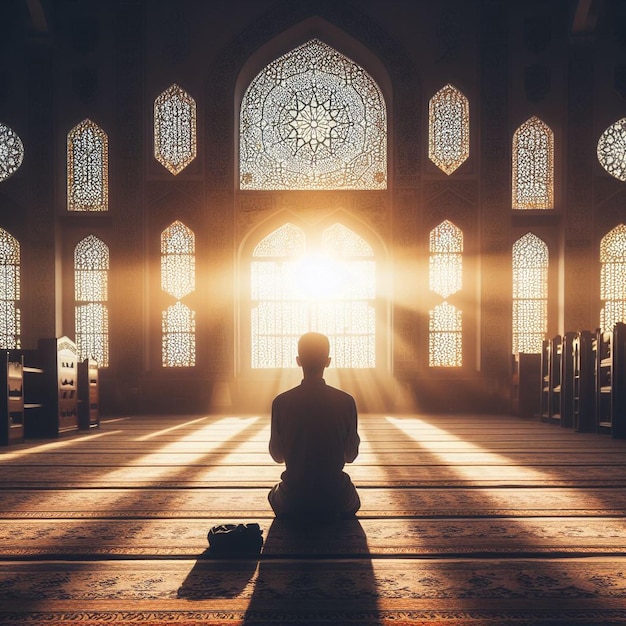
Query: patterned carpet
(465, 520)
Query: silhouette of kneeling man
(314, 432)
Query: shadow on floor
(312, 573)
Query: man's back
(316, 430)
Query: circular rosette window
(612, 149)
(11, 152)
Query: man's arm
(276, 449)
(351, 449)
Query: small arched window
(448, 129)
(10, 322)
(91, 312)
(313, 119)
(87, 168)
(533, 166)
(613, 278)
(445, 279)
(175, 129)
(530, 294)
(178, 280)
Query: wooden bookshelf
(12, 399)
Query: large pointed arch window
(87, 168)
(613, 278)
(445, 279)
(178, 280)
(313, 119)
(530, 294)
(323, 282)
(91, 312)
(10, 322)
(448, 129)
(175, 129)
(533, 166)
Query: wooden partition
(12, 399)
(583, 402)
(526, 392)
(566, 390)
(545, 381)
(88, 395)
(610, 381)
(551, 380)
(50, 388)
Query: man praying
(314, 432)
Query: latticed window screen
(178, 279)
(91, 313)
(175, 129)
(533, 166)
(445, 279)
(530, 294)
(448, 129)
(613, 278)
(87, 168)
(11, 152)
(445, 347)
(313, 119)
(612, 149)
(329, 287)
(10, 323)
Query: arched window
(533, 166)
(175, 129)
(87, 168)
(530, 294)
(448, 129)
(91, 313)
(302, 282)
(613, 278)
(9, 291)
(612, 149)
(11, 152)
(445, 279)
(178, 279)
(313, 119)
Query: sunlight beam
(414, 427)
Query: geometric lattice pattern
(178, 336)
(11, 152)
(178, 279)
(10, 322)
(448, 129)
(613, 278)
(446, 260)
(533, 166)
(327, 286)
(445, 279)
(175, 129)
(612, 149)
(445, 347)
(530, 294)
(313, 119)
(178, 261)
(87, 168)
(91, 314)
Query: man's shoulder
(323, 388)
(340, 393)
